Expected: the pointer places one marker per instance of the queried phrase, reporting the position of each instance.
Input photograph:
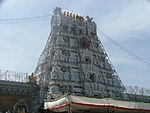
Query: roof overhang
(79, 103)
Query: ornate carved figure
(89, 19)
(59, 41)
(32, 79)
(54, 72)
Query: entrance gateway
(21, 107)
(75, 62)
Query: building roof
(79, 103)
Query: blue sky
(126, 21)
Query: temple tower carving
(75, 61)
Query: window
(72, 37)
(92, 76)
(85, 43)
(87, 60)
(81, 31)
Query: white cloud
(133, 16)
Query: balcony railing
(7, 75)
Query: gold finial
(67, 13)
(32, 79)
(74, 16)
(64, 13)
(71, 14)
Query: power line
(26, 19)
(47, 17)
(123, 86)
(128, 52)
(125, 49)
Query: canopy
(79, 104)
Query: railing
(138, 90)
(13, 76)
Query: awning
(79, 103)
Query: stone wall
(12, 92)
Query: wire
(125, 49)
(128, 52)
(26, 19)
(46, 17)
